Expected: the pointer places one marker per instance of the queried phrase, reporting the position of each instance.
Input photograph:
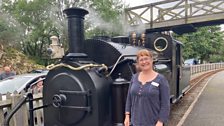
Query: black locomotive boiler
(89, 85)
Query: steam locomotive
(89, 85)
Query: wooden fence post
(1, 113)
(19, 118)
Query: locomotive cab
(170, 53)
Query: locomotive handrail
(52, 66)
(88, 109)
(162, 60)
(76, 92)
(117, 62)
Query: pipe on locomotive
(75, 17)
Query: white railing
(206, 67)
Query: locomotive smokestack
(75, 18)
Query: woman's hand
(159, 123)
(127, 120)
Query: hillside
(18, 61)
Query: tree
(33, 18)
(204, 44)
(105, 18)
(8, 34)
(40, 19)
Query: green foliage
(216, 58)
(19, 62)
(106, 18)
(29, 24)
(205, 44)
(8, 34)
(33, 17)
(35, 21)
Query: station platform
(208, 107)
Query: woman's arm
(127, 119)
(128, 105)
(164, 100)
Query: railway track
(196, 84)
(195, 81)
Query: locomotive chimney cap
(75, 11)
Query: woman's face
(145, 63)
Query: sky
(133, 3)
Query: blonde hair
(144, 52)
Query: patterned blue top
(148, 103)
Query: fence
(21, 118)
(205, 67)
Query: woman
(148, 102)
